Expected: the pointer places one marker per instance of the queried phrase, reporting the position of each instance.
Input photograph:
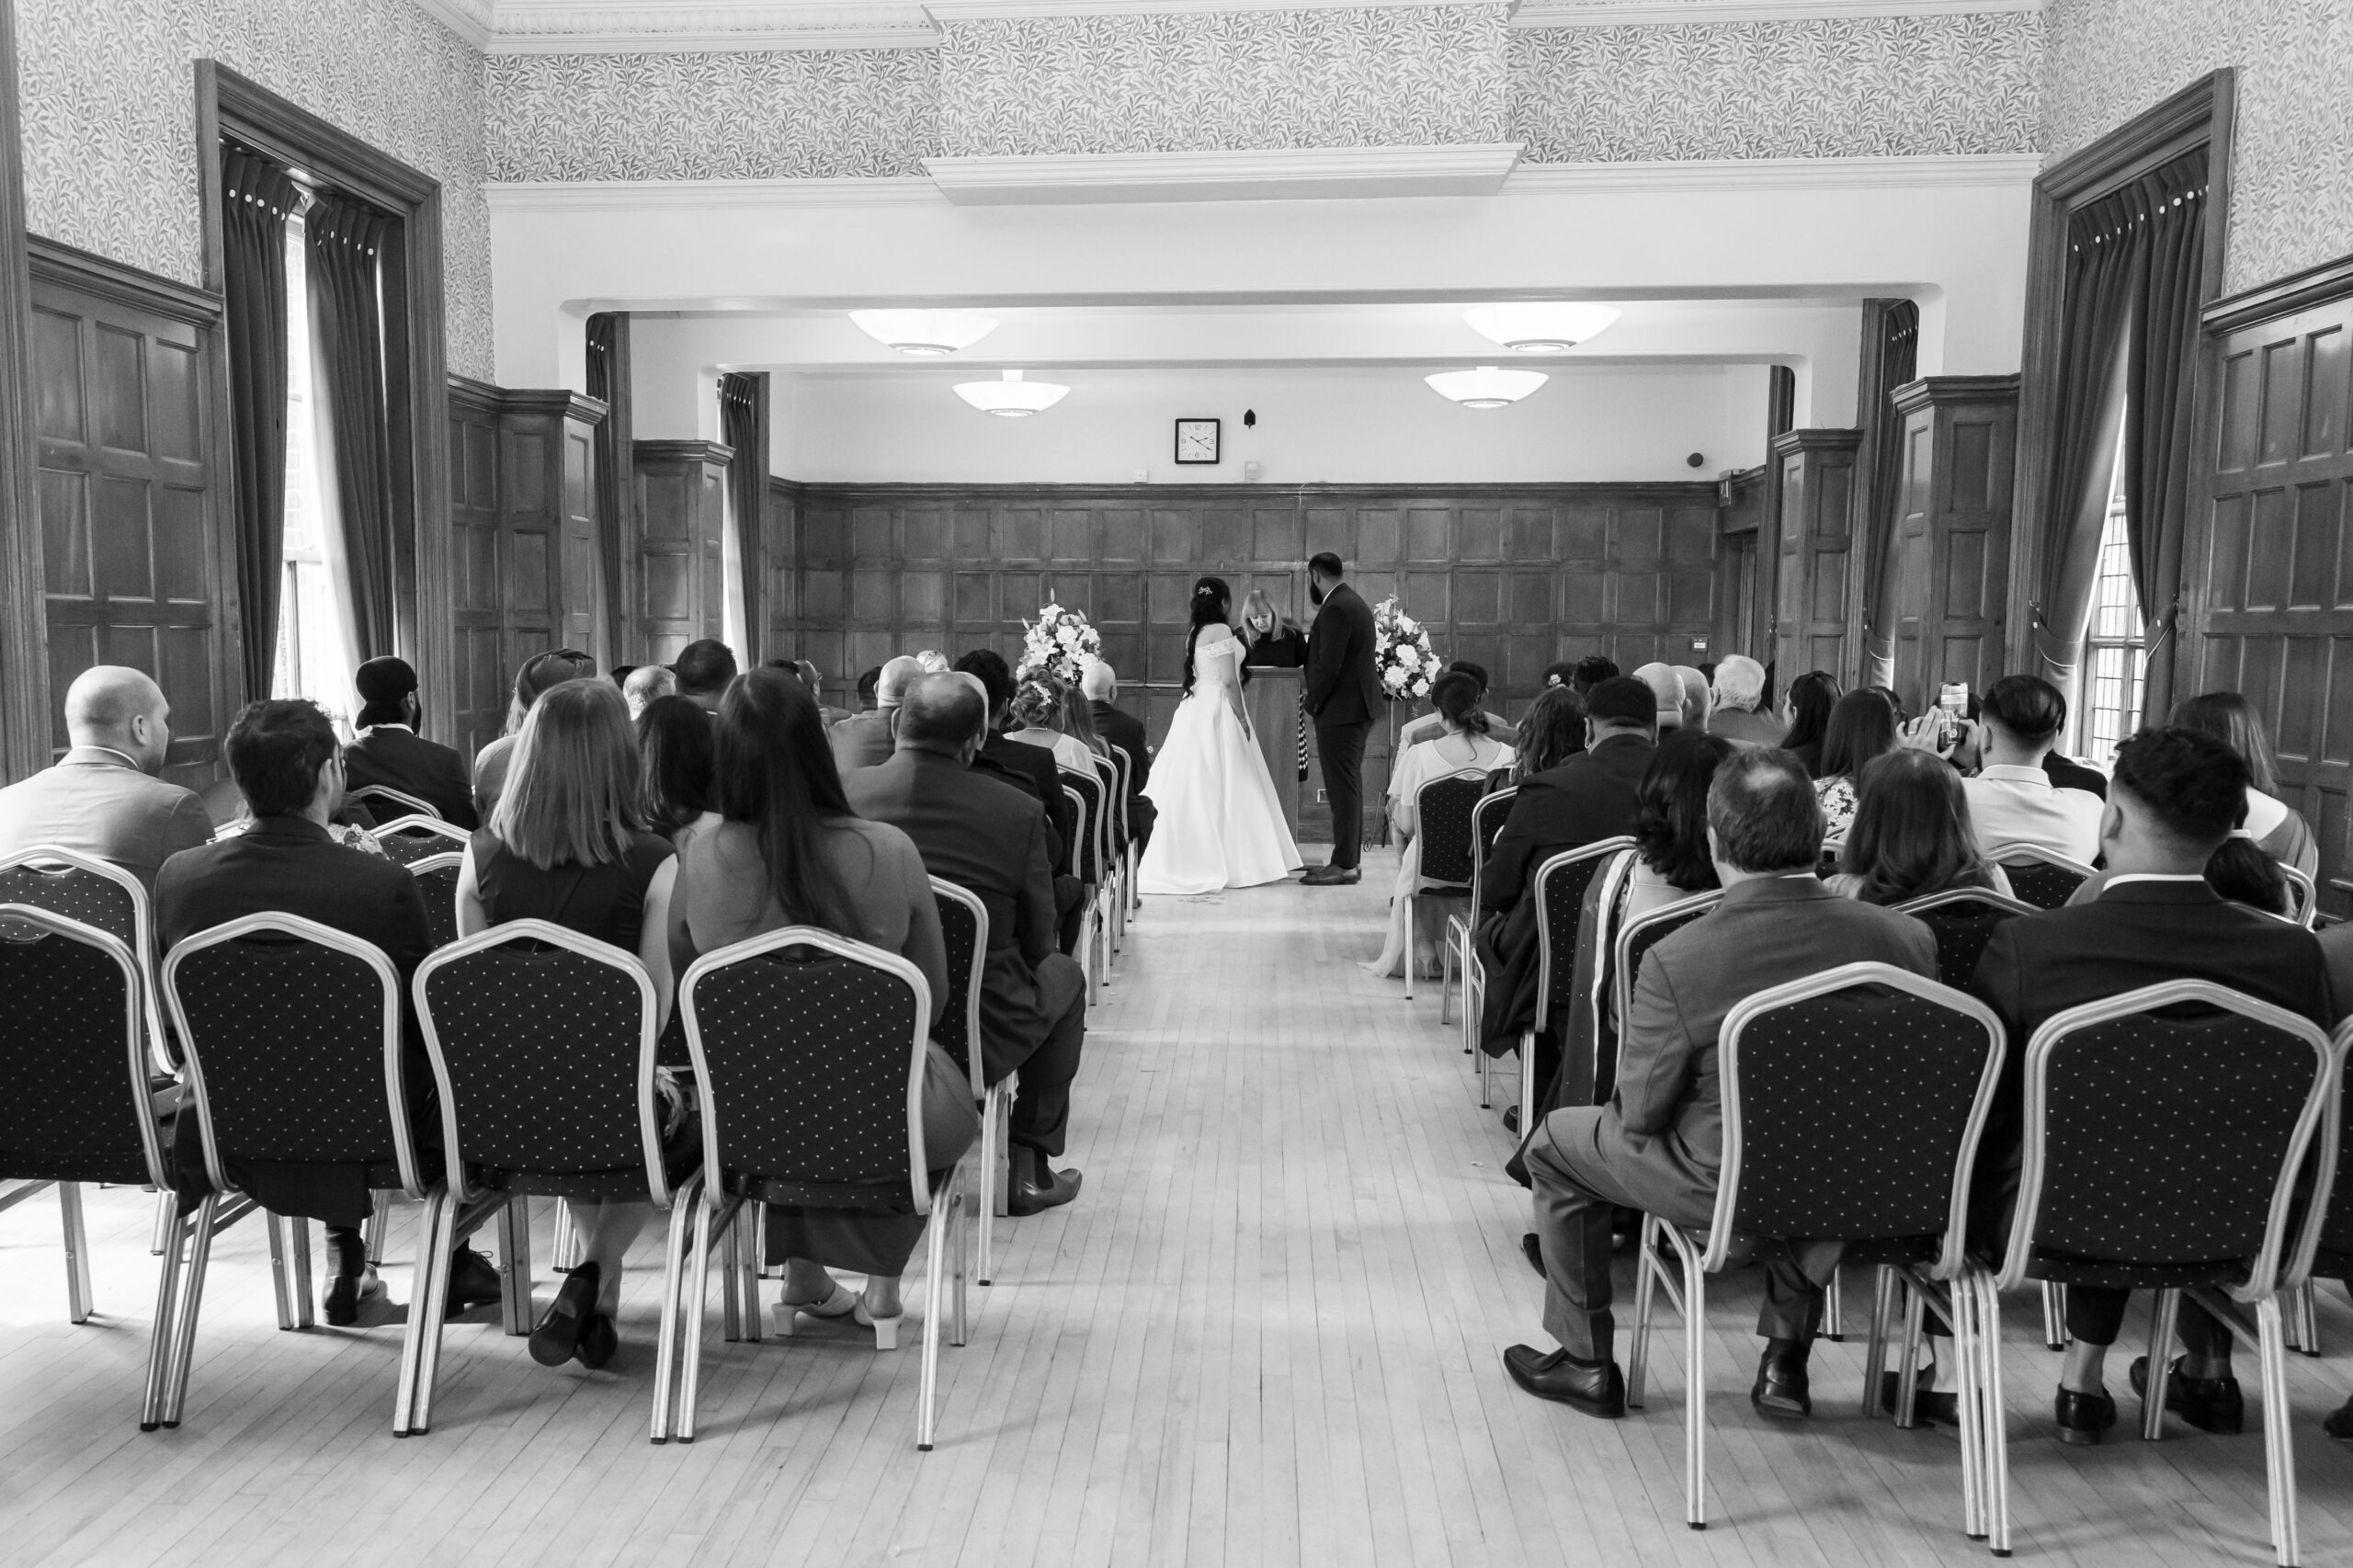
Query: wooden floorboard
(1267, 1333)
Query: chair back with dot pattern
(74, 1103)
(436, 880)
(100, 895)
(1637, 936)
(1559, 890)
(1087, 864)
(2327, 1244)
(412, 838)
(809, 1048)
(1443, 809)
(1123, 769)
(397, 803)
(1963, 921)
(2038, 876)
(1487, 818)
(2163, 1132)
(293, 1038)
(543, 1044)
(1853, 1101)
(964, 926)
(1115, 806)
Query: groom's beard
(1315, 595)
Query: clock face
(1197, 441)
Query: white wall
(1355, 425)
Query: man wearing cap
(390, 753)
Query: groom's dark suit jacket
(1342, 686)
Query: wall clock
(1197, 441)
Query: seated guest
(1862, 730)
(704, 667)
(2012, 800)
(791, 852)
(1562, 674)
(1666, 695)
(1657, 1145)
(1592, 670)
(675, 750)
(1671, 859)
(1038, 707)
(1551, 732)
(1465, 746)
(1736, 715)
(1805, 711)
(1030, 767)
(2276, 828)
(1911, 833)
(1699, 700)
(813, 679)
(933, 661)
(646, 685)
(1100, 685)
(539, 672)
(567, 846)
(388, 751)
(286, 761)
(864, 739)
(988, 837)
(868, 685)
(102, 797)
(2174, 797)
(1430, 726)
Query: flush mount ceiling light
(1012, 398)
(1541, 326)
(929, 332)
(1487, 387)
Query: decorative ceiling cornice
(470, 19)
(947, 11)
(637, 26)
(1717, 13)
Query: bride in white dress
(1219, 825)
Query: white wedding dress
(1219, 825)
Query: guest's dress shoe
(2083, 1417)
(1036, 1186)
(1928, 1407)
(1597, 1388)
(2210, 1405)
(473, 1282)
(1782, 1388)
(558, 1337)
(1330, 876)
(1511, 1119)
(2338, 1423)
(347, 1294)
(599, 1342)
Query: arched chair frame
(997, 1099)
(1091, 918)
(1459, 956)
(2016, 854)
(410, 805)
(1426, 884)
(447, 860)
(1617, 878)
(1540, 888)
(143, 946)
(432, 826)
(1115, 859)
(2303, 898)
(1127, 766)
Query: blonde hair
(571, 790)
(1257, 604)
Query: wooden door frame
(415, 371)
(24, 621)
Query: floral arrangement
(1060, 643)
(1402, 653)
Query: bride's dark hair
(1212, 605)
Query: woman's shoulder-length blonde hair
(1258, 604)
(572, 791)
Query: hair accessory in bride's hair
(1203, 590)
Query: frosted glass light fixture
(1012, 398)
(1487, 387)
(928, 333)
(1540, 326)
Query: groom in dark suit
(1343, 693)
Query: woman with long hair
(1806, 710)
(1464, 746)
(539, 674)
(1671, 858)
(789, 851)
(675, 751)
(2276, 827)
(1219, 825)
(1861, 730)
(568, 844)
(1551, 732)
(1272, 640)
(1912, 835)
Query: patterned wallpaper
(2291, 175)
(1354, 77)
(1849, 87)
(109, 102)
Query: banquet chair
(542, 1043)
(292, 1030)
(1461, 956)
(1829, 1132)
(964, 925)
(402, 804)
(2303, 898)
(1596, 942)
(100, 895)
(1443, 809)
(414, 837)
(76, 1102)
(1558, 889)
(1085, 792)
(1632, 943)
(437, 879)
(809, 1049)
(2329, 1246)
(2040, 877)
(1133, 851)
(2234, 1092)
(1115, 851)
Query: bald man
(864, 739)
(1100, 684)
(102, 797)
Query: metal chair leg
(935, 1259)
(1528, 1086)
(751, 1225)
(684, 1205)
(1445, 975)
(78, 1252)
(191, 1304)
(2278, 1435)
(1907, 1372)
(1409, 947)
(959, 1213)
(2303, 1317)
(2164, 1311)
(697, 1299)
(281, 1284)
(993, 1183)
(1960, 1316)
(515, 1291)
(1884, 1281)
(730, 1275)
(1694, 1394)
(298, 1272)
(412, 1342)
(1638, 1357)
(2054, 1317)
(1833, 1308)
(159, 1339)
(378, 1223)
(426, 1309)
(562, 1244)
(1992, 1437)
(167, 1215)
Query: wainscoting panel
(1813, 617)
(681, 532)
(1952, 532)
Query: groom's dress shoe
(1597, 1388)
(1330, 876)
(1782, 1388)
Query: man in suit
(390, 753)
(1738, 713)
(102, 797)
(1658, 1145)
(1101, 685)
(989, 838)
(1342, 694)
(285, 760)
(1033, 770)
(2173, 800)
(704, 668)
(864, 739)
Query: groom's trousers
(1342, 748)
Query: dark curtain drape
(256, 198)
(347, 319)
(607, 354)
(1898, 352)
(739, 427)
(2125, 334)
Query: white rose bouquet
(1402, 653)
(1059, 642)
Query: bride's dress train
(1219, 825)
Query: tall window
(311, 644)
(2116, 663)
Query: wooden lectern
(1272, 698)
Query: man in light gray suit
(102, 797)
(1658, 1144)
(864, 739)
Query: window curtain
(2126, 338)
(1898, 357)
(348, 384)
(608, 356)
(739, 412)
(257, 196)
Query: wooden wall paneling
(2267, 564)
(681, 521)
(1952, 541)
(131, 519)
(1740, 517)
(1814, 574)
(481, 672)
(607, 382)
(552, 581)
(24, 703)
(780, 593)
